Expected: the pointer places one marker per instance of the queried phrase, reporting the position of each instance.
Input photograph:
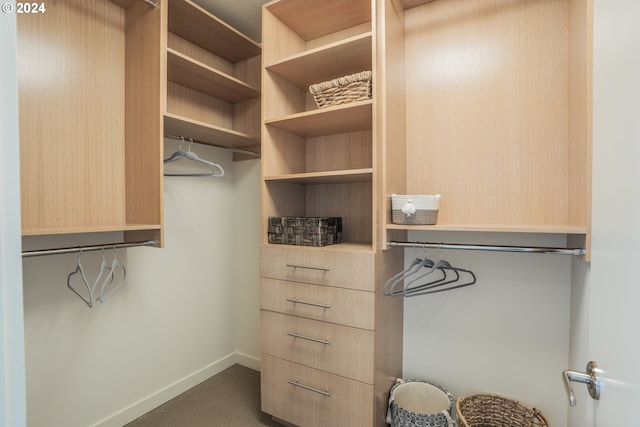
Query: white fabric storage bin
(416, 403)
(415, 209)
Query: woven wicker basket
(355, 87)
(490, 410)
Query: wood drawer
(318, 400)
(338, 349)
(336, 305)
(323, 267)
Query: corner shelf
(203, 132)
(203, 29)
(195, 75)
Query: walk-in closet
(278, 212)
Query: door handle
(590, 378)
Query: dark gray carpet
(229, 399)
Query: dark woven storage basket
(491, 410)
(351, 88)
(304, 231)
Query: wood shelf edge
(89, 229)
(493, 228)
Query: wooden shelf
(303, 19)
(325, 177)
(338, 59)
(344, 246)
(327, 121)
(197, 25)
(195, 75)
(90, 229)
(207, 133)
(493, 228)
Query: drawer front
(307, 397)
(333, 348)
(353, 270)
(336, 305)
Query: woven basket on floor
(355, 87)
(490, 410)
(418, 403)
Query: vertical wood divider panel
(390, 112)
(580, 115)
(145, 104)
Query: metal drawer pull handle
(309, 267)
(297, 335)
(315, 304)
(324, 392)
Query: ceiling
(243, 15)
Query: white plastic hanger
(391, 287)
(106, 273)
(80, 271)
(116, 269)
(216, 169)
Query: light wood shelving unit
(311, 146)
(497, 117)
(84, 168)
(324, 162)
(213, 73)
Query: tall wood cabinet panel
(324, 162)
(213, 73)
(91, 100)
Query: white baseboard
(156, 399)
(248, 361)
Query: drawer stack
(317, 335)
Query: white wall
(246, 211)
(177, 320)
(508, 334)
(12, 381)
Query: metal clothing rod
(235, 150)
(574, 252)
(42, 252)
